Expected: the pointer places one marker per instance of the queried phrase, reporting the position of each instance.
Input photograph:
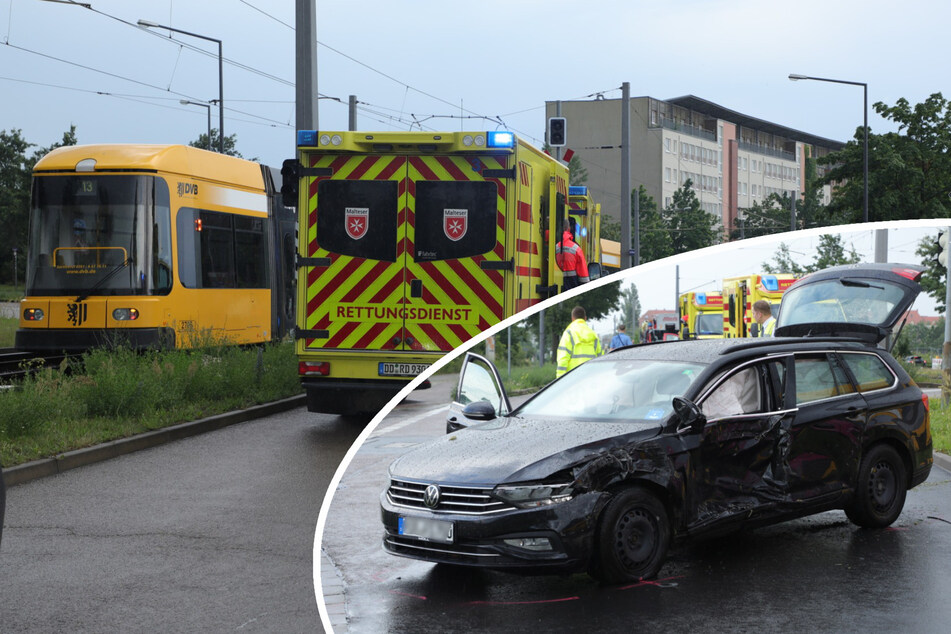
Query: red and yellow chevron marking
(350, 298)
(455, 284)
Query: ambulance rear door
(456, 264)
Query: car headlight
(527, 496)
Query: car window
(755, 389)
(841, 302)
(479, 385)
(741, 393)
(817, 379)
(870, 371)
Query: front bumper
(478, 540)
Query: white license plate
(425, 528)
(402, 369)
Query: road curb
(89, 455)
(943, 461)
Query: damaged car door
(741, 471)
(826, 436)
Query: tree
(14, 199)
(909, 170)
(230, 142)
(655, 239)
(689, 225)
(610, 228)
(923, 338)
(830, 252)
(771, 215)
(933, 278)
(577, 173)
(629, 309)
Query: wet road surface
(819, 573)
(210, 533)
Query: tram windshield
(99, 235)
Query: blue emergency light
(306, 137)
(584, 232)
(577, 190)
(500, 139)
(770, 283)
(701, 299)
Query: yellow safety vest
(578, 344)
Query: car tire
(880, 490)
(633, 537)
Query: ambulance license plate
(402, 369)
(426, 529)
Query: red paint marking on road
(659, 583)
(897, 528)
(522, 602)
(406, 594)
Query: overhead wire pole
(306, 63)
(626, 177)
(221, 86)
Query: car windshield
(709, 324)
(841, 301)
(614, 390)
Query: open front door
(479, 382)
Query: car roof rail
(756, 343)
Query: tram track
(17, 364)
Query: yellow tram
(155, 245)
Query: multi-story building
(733, 160)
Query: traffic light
(556, 131)
(943, 247)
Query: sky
(446, 65)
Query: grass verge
(121, 393)
(8, 329)
(941, 426)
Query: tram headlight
(33, 314)
(125, 314)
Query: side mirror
(479, 410)
(689, 415)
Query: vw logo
(431, 496)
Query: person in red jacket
(570, 260)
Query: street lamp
(795, 77)
(221, 90)
(186, 102)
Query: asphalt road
(212, 533)
(814, 574)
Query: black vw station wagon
(607, 466)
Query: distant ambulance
(701, 315)
(739, 295)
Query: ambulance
(584, 218)
(410, 243)
(701, 315)
(739, 295)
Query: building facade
(732, 160)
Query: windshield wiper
(859, 284)
(104, 279)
